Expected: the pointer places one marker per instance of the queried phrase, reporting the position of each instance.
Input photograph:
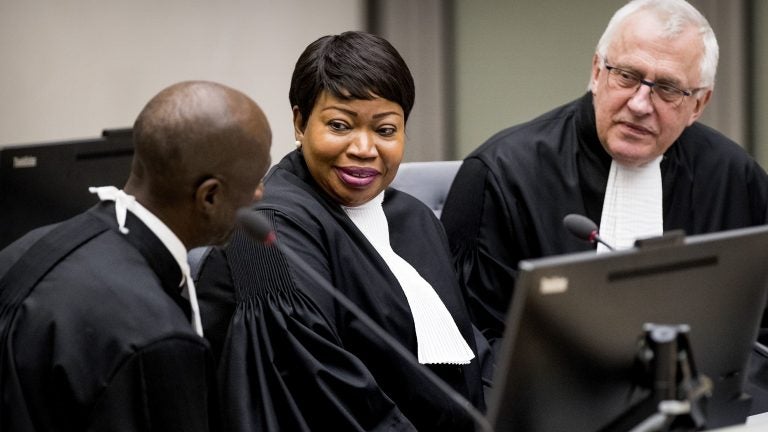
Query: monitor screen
(46, 183)
(568, 361)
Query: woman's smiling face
(353, 147)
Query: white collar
(632, 208)
(125, 202)
(438, 339)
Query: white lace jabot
(437, 337)
(632, 208)
(124, 203)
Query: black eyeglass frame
(650, 84)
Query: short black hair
(351, 65)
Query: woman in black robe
(290, 356)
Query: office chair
(427, 181)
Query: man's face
(636, 125)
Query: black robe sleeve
(163, 387)
(216, 299)
(282, 365)
(481, 227)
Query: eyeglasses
(625, 79)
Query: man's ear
(595, 74)
(700, 102)
(208, 194)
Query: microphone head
(255, 225)
(580, 226)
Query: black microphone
(584, 229)
(258, 228)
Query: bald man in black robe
(97, 331)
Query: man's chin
(632, 155)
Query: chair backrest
(427, 181)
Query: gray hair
(675, 15)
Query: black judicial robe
(102, 341)
(510, 195)
(294, 359)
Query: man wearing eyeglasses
(629, 155)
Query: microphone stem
(599, 240)
(457, 398)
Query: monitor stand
(677, 392)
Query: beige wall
(760, 17)
(517, 59)
(72, 68)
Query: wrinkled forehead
(646, 42)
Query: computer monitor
(46, 183)
(569, 358)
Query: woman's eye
(338, 126)
(387, 131)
